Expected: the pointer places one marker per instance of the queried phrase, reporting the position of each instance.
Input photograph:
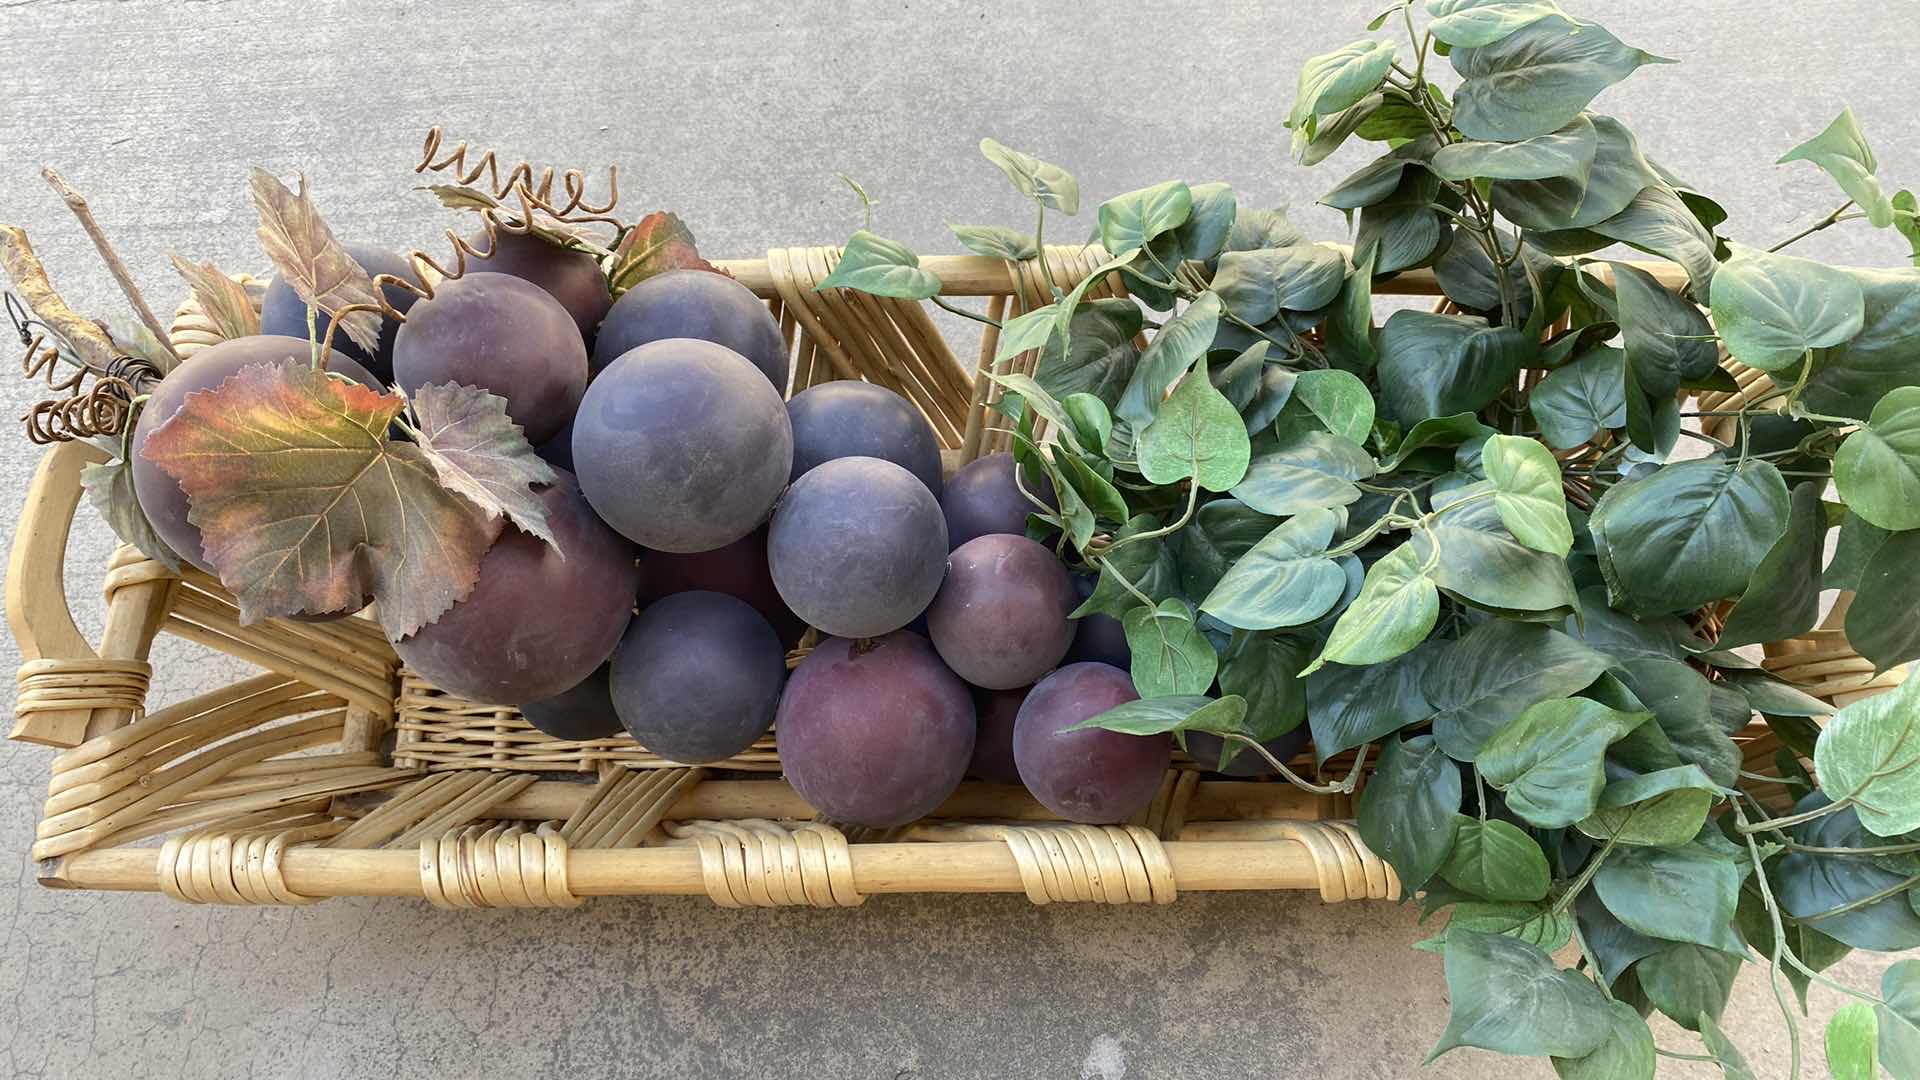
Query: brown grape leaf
(545, 226)
(657, 243)
(224, 300)
(481, 455)
(309, 259)
(305, 504)
(109, 487)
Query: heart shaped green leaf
(1284, 580)
(875, 265)
(1048, 185)
(1508, 997)
(1333, 81)
(1550, 759)
(1691, 533)
(1409, 809)
(1132, 220)
(1197, 434)
(1770, 309)
(1842, 151)
(1526, 480)
(1577, 401)
(1878, 468)
(1312, 471)
(1535, 79)
(1170, 654)
(1496, 860)
(1395, 611)
(1869, 751)
(1567, 152)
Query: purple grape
(697, 676)
(681, 446)
(539, 621)
(739, 569)
(993, 738)
(982, 498)
(284, 314)
(503, 335)
(584, 712)
(875, 733)
(857, 547)
(159, 494)
(849, 418)
(571, 277)
(1000, 619)
(1094, 776)
(695, 304)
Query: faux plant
(1488, 542)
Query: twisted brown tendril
(525, 196)
(104, 408)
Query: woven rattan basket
(335, 773)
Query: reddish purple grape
(503, 335)
(738, 569)
(539, 621)
(993, 738)
(877, 732)
(584, 712)
(682, 446)
(695, 304)
(1093, 775)
(159, 494)
(284, 314)
(697, 676)
(849, 418)
(982, 498)
(1000, 619)
(857, 547)
(571, 277)
(1204, 749)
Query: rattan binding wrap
(336, 773)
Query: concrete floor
(738, 116)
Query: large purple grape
(539, 621)
(572, 277)
(1000, 619)
(1204, 749)
(682, 446)
(503, 335)
(981, 499)
(1099, 638)
(584, 712)
(1094, 776)
(993, 738)
(159, 494)
(697, 676)
(849, 418)
(738, 569)
(875, 733)
(857, 547)
(283, 313)
(695, 304)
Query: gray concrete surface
(738, 116)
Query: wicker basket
(336, 773)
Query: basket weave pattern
(335, 772)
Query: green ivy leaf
(1659, 809)
(1174, 349)
(1783, 598)
(1133, 220)
(1689, 983)
(1170, 654)
(1221, 532)
(1880, 623)
(1258, 285)
(1508, 997)
(1868, 752)
(1255, 228)
(1284, 580)
(1616, 946)
(1899, 1018)
(1467, 276)
(1850, 378)
(1627, 1053)
(1470, 23)
(1330, 134)
(1100, 356)
(1853, 1043)
(1668, 340)
(1535, 79)
(1689, 534)
(1349, 326)
(1176, 712)
(1579, 400)
(1771, 309)
(995, 241)
(1311, 471)
(1567, 152)
(1095, 490)
(1842, 151)
(1148, 564)
(1340, 400)
(1395, 611)
(1526, 479)
(1377, 180)
(1549, 760)
(1349, 706)
(1563, 211)
(1204, 234)
(1859, 540)
(1477, 560)
(1027, 332)
(1264, 669)
(1092, 424)
(1334, 81)
(1677, 894)
(1197, 434)
(1681, 699)
(1496, 860)
(1439, 365)
(1408, 811)
(1658, 221)
(1534, 923)
(1485, 680)
(1732, 1065)
(875, 265)
(1456, 430)
(1048, 185)
(1878, 468)
(1809, 884)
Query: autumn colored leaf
(657, 243)
(481, 455)
(224, 300)
(305, 504)
(311, 260)
(109, 487)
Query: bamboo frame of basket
(283, 788)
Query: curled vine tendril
(83, 411)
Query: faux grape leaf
(1395, 611)
(1170, 654)
(656, 244)
(310, 260)
(1536, 78)
(873, 264)
(1770, 309)
(1878, 468)
(1869, 751)
(223, 300)
(304, 504)
(1284, 580)
(1526, 482)
(1842, 152)
(1496, 860)
(1550, 760)
(1507, 996)
(1409, 809)
(1048, 185)
(481, 455)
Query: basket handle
(68, 692)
